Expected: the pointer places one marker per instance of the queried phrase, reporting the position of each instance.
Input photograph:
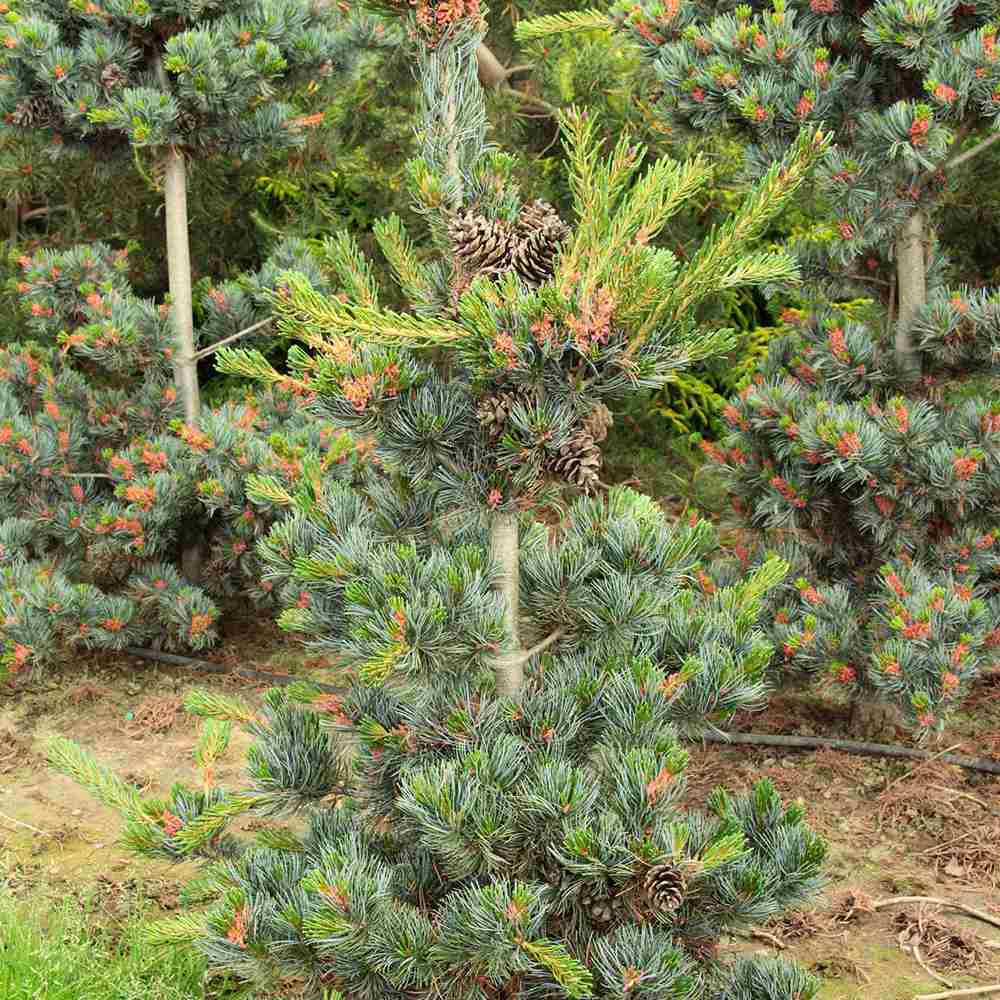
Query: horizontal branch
(540, 647)
(973, 991)
(959, 158)
(37, 213)
(987, 918)
(212, 348)
(187, 662)
(957, 161)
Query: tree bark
(182, 315)
(911, 286)
(508, 664)
(13, 219)
(492, 72)
(179, 268)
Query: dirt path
(893, 829)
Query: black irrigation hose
(850, 746)
(749, 739)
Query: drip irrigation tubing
(849, 746)
(747, 739)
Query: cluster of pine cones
(494, 246)
(662, 891)
(578, 461)
(39, 111)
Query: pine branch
(960, 158)
(180, 930)
(65, 756)
(203, 829)
(560, 24)
(212, 348)
(312, 317)
(540, 647)
(222, 708)
(212, 743)
(761, 268)
(766, 578)
(352, 268)
(727, 243)
(251, 364)
(268, 490)
(414, 278)
(576, 979)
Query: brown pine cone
(481, 245)
(665, 887)
(578, 461)
(540, 214)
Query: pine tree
(852, 450)
(899, 83)
(184, 80)
(884, 504)
(103, 486)
(503, 816)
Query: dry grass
(156, 714)
(941, 944)
(973, 856)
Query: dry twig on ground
(946, 947)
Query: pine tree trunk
(505, 549)
(179, 267)
(182, 314)
(911, 284)
(491, 71)
(13, 219)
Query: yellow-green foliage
(689, 405)
(692, 403)
(754, 351)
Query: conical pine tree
(508, 820)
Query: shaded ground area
(895, 828)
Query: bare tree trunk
(492, 72)
(13, 219)
(182, 313)
(505, 549)
(911, 285)
(179, 268)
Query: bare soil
(894, 828)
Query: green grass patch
(66, 954)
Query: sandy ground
(894, 829)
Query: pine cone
(493, 412)
(598, 907)
(534, 258)
(540, 214)
(578, 461)
(112, 76)
(665, 887)
(34, 112)
(598, 422)
(481, 245)
(539, 233)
